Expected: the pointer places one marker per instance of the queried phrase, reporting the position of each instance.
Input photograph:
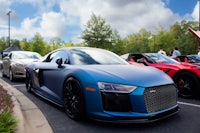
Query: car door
(51, 77)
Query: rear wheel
(188, 84)
(3, 74)
(73, 99)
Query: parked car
(15, 62)
(1, 63)
(185, 75)
(194, 59)
(97, 84)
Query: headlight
(118, 88)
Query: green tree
(56, 43)
(138, 42)
(97, 33)
(25, 45)
(15, 42)
(3, 43)
(176, 36)
(38, 44)
(117, 45)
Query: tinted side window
(58, 54)
(10, 55)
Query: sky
(67, 19)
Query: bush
(8, 122)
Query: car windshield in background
(197, 57)
(84, 56)
(26, 55)
(160, 58)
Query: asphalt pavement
(186, 121)
(30, 118)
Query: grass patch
(8, 123)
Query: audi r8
(98, 84)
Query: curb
(30, 118)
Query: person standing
(161, 51)
(176, 53)
(199, 52)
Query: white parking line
(189, 104)
(18, 85)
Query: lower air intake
(160, 97)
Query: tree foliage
(38, 44)
(97, 33)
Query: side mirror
(59, 62)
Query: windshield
(26, 55)
(197, 57)
(84, 56)
(160, 58)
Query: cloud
(56, 18)
(53, 25)
(195, 13)
(4, 8)
(26, 30)
(126, 16)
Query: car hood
(127, 74)
(25, 61)
(188, 64)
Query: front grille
(160, 97)
(117, 102)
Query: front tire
(11, 77)
(187, 84)
(73, 99)
(28, 83)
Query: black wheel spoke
(28, 83)
(72, 98)
(187, 84)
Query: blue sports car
(98, 84)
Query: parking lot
(187, 120)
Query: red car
(194, 59)
(185, 75)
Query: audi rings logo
(153, 90)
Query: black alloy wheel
(73, 99)
(187, 84)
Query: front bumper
(19, 72)
(140, 118)
(141, 106)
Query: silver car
(14, 64)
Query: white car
(14, 64)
